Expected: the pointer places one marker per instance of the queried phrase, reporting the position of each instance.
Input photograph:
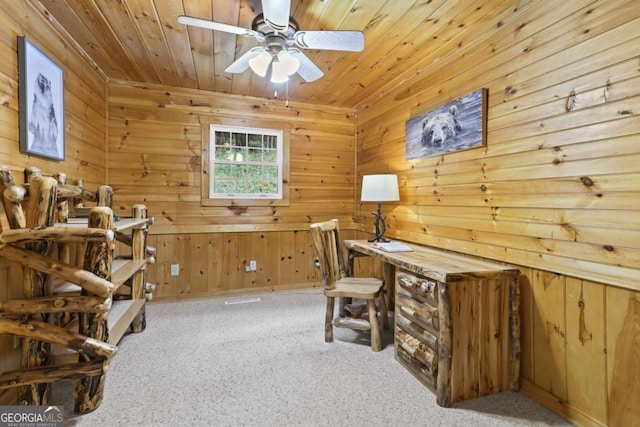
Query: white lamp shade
(380, 188)
(259, 64)
(285, 66)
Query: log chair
(326, 239)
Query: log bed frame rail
(77, 256)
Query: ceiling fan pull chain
(286, 103)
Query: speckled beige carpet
(265, 363)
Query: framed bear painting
(457, 125)
(41, 103)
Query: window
(245, 166)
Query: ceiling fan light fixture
(260, 64)
(279, 55)
(284, 66)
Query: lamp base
(378, 239)
(379, 225)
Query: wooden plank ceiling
(141, 41)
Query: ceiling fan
(280, 56)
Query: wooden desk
(457, 319)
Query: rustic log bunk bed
(78, 298)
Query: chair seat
(356, 287)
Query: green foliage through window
(246, 163)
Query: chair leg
(328, 320)
(376, 343)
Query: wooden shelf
(123, 311)
(121, 271)
(122, 225)
(88, 320)
(121, 315)
(129, 223)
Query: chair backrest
(326, 239)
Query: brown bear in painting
(436, 130)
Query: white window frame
(240, 160)
(232, 200)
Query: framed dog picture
(41, 102)
(457, 125)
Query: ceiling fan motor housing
(281, 42)
(261, 26)
(275, 43)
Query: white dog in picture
(42, 121)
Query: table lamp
(379, 188)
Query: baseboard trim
(238, 292)
(560, 407)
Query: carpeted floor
(265, 363)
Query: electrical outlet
(175, 269)
(253, 265)
(247, 268)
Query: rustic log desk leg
(443, 387)
(389, 277)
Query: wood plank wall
(84, 96)
(154, 155)
(84, 125)
(555, 191)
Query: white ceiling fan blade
(203, 23)
(276, 13)
(308, 70)
(330, 40)
(241, 64)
